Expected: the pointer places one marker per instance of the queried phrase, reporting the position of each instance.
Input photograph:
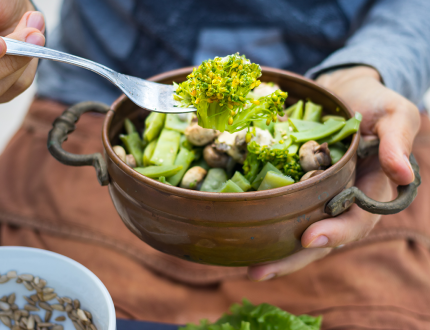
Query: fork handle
(19, 48)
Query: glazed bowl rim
(230, 197)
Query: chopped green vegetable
(218, 88)
(295, 111)
(329, 127)
(261, 317)
(328, 117)
(162, 179)
(337, 151)
(293, 168)
(214, 180)
(241, 181)
(133, 145)
(200, 162)
(129, 126)
(174, 123)
(262, 124)
(230, 187)
(293, 148)
(184, 158)
(351, 126)
(260, 177)
(275, 180)
(155, 172)
(167, 148)
(303, 125)
(251, 166)
(312, 112)
(148, 152)
(281, 131)
(153, 125)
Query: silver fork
(146, 94)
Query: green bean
(312, 112)
(320, 132)
(184, 158)
(266, 168)
(303, 125)
(351, 126)
(230, 187)
(338, 118)
(337, 151)
(153, 125)
(133, 145)
(162, 179)
(155, 172)
(129, 126)
(167, 148)
(275, 180)
(262, 124)
(148, 152)
(293, 148)
(240, 180)
(214, 180)
(281, 131)
(174, 123)
(295, 111)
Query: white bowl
(66, 276)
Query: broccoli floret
(218, 88)
(293, 168)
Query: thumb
(396, 132)
(29, 29)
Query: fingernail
(268, 277)
(36, 21)
(35, 39)
(320, 241)
(408, 163)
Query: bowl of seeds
(42, 290)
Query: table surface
(143, 325)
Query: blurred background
(12, 113)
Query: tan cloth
(382, 282)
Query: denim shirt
(144, 38)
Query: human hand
(18, 21)
(395, 121)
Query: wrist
(342, 75)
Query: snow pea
(240, 180)
(281, 131)
(351, 126)
(184, 158)
(293, 148)
(266, 168)
(214, 180)
(148, 152)
(174, 123)
(230, 187)
(320, 132)
(133, 145)
(129, 126)
(327, 117)
(155, 172)
(337, 151)
(303, 125)
(167, 148)
(295, 111)
(275, 180)
(153, 125)
(312, 112)
(162, 179)
(262, 124)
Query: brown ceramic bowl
(233, 229)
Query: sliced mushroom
(311, 174)
(130, 161)
(193, 177)
(120, 152)
(200, 136)
(314, 156)
(215, 158)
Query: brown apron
(381, 282)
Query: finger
(287, 265)
(22, 84)
(354, 224)
(397, 131)
(28, 30)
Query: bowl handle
(64, 125)
(406, 194)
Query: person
(373, 54)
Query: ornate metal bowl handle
(406, 194)
(64, 125)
